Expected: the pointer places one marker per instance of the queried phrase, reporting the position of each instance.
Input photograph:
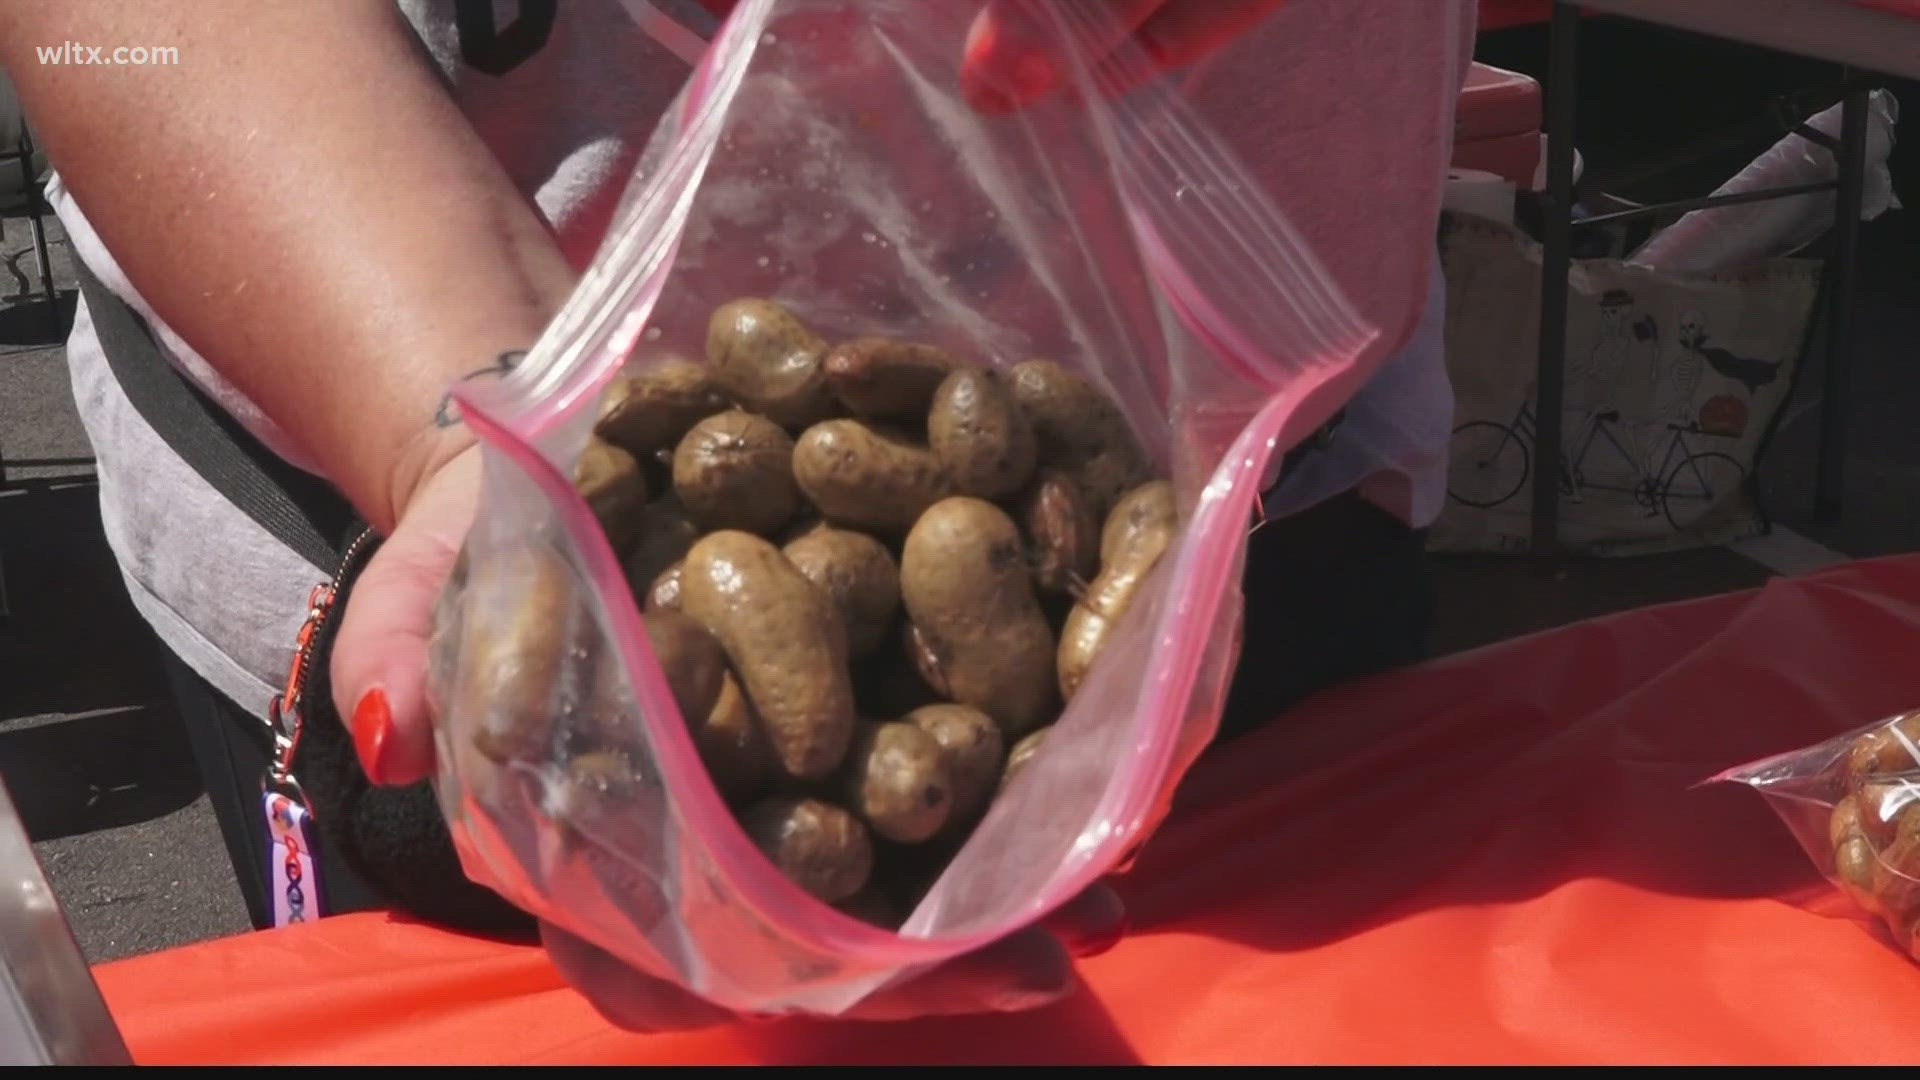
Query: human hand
(380, 657)
(1027, 970)
(1010, 64)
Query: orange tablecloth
(1495, 857)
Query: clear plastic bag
(1853, 803)
(824, 156)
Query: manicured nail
(1004, 71)
(373, 734)
(1159, 53)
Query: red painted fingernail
(988, 100)
(373, 734)
(1011, 80)
(1002, 72)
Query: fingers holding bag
(1011, 66)
(889, 491)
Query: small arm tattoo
(448, 414)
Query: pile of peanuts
(1875, 828)
(873, 575)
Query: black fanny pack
(393, 840)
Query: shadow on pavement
(97, 770)
(33, 322)
(88, 738)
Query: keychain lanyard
(291, 836)
(295, 885)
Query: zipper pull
(293, 872)
(286, 711)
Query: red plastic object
(1499, 857)
(1909, 8)
(1496, 102)
(1501, 14)
(1497, 124)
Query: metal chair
(22, 173)
(23, 179)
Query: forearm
(300, 199)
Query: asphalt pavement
(90, 748)
(93, 753)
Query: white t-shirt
(568, 123)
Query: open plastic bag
(1853, 802)
(824, 156)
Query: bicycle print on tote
(1491, 463)
(1672, 382)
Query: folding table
(1880, 36)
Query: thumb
(379, 664)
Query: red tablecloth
(1498, 857)
(1500, 14)
(1909, 8)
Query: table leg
(1556, 265)
(1842, 281)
